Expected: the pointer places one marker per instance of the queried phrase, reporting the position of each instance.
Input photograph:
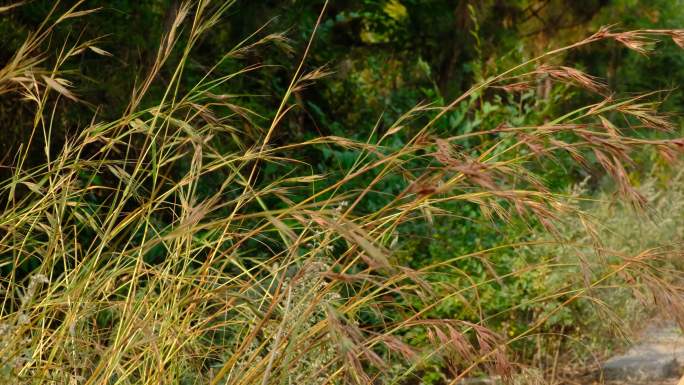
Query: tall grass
(121, 268)
(648, 288)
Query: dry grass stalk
(157, 283)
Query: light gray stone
(658, 355)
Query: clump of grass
(120, 270)
(636, 255)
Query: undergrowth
(151, 248)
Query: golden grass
(140, 278)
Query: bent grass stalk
(142, 279)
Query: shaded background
(386, 55)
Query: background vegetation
(303, 192)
